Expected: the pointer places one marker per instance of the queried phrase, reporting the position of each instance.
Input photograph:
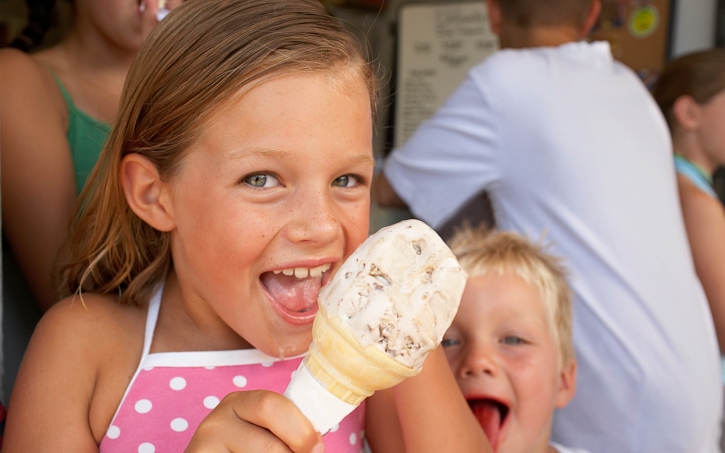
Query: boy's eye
(261, 180)
(512, 340)
(449, 342)
(346, 181)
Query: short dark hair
(528, 13)
(700, 75)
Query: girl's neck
(188, 325)
(87, 50)
(687, 146)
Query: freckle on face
(232, 236)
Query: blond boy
(510, 345)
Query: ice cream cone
(346, 369)
(385, 309)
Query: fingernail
(319, 448)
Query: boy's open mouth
(491, 415)
(294, 291)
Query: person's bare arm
(383, 193)
(705, 223)
(429, 414)
(38, 183)
(56, 391)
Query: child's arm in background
(79, 361)
(38, 186)
(705, 223)
(426, 412)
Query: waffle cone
(346, 369)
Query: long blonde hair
(204, 54)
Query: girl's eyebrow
(271, 153)
(247, 153)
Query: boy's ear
(594, 9)
(495, 18)
(567, 383)
(687, 112)
(145, 193)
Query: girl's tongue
(489, 417)
(296, 295)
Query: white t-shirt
(568, 143)
(562, 449)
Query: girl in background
(691, 94)
(242, 150)
(55, 115)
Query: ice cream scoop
(385, 309)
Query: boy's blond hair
(481, 251)
(547, 13)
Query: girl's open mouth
(294, 291)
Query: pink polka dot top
(172, 392)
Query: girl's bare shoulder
(17, 66)
(28, 83)
(97, 317)
(81, 358)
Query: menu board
(437, 44)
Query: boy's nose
(316, 220)
(478, 362)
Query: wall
(694, 26)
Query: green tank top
(86, 137)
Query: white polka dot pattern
(210, 402)
(146, 448)
(240, 381)
(113, 432)
(165, 405)
(177, 383)
(179, 425)
(143, 406)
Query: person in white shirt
(568, 143)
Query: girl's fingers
(266, 408)
(256, 421)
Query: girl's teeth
(303, 272)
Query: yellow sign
(644, 21)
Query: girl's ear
(567, 383)
(146, 194)
(687, 113)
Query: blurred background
(424, 49)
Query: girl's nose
(478, 362)
(316, 220)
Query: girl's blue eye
(346, 181)
(512, 340)
(261, 180)
(449, 342)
